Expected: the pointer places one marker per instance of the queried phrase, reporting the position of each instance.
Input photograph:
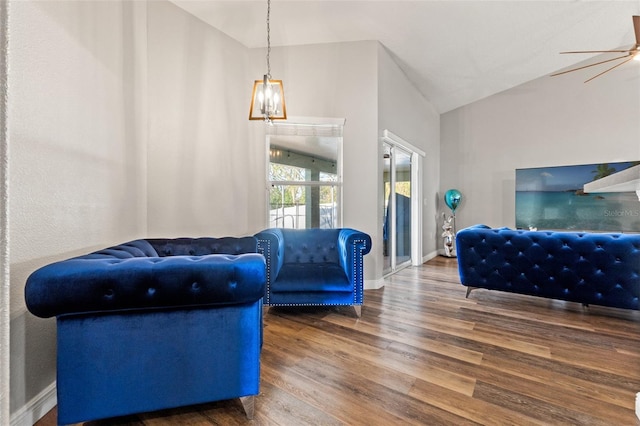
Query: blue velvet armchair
(154, 324)
(314, 266)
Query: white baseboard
(373, 284)
(638, 405)
(429, 256)
(35, 409)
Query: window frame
(304, 127)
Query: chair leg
(248, 403)
(358, 310)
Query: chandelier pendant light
(267, 99)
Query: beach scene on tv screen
(589, 197)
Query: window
(304, 175)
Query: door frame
(417, 156)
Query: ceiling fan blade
(613, 67)
(636, 28)
(593, 65)
(596, 51)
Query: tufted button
(195, 286)
(151, 291)
(108, 293)
(192, 252)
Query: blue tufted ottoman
(589, 268)
(154, 324)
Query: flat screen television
(588, 197)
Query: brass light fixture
(267, 99)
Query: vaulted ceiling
(455, 52)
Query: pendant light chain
(268, 40)
(267, 99)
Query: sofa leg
(248, 403)
(469, 291)
(265, 309)
(358, 310)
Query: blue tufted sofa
(153, 324)
(589, 268)
(314, 266)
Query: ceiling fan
(629, 54)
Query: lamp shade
(267, 100)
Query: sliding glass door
(397, 207)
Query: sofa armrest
(82, 285)
(353, 245)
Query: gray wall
(202, 167)
(4, 224)
(77, 166)
(404, 112)
(551, 121)
(337, 80)
(129, 119)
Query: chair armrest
(353, 245)
(271, 246)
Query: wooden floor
(423, 354)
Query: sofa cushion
(136, 248)
(309, 246)
(203, 246)
(309, 277)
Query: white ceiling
(455, 52)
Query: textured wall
(403, 111)
(550, 121)
(4, 231)
(204, 172)
(78, 165)
(337, 80)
